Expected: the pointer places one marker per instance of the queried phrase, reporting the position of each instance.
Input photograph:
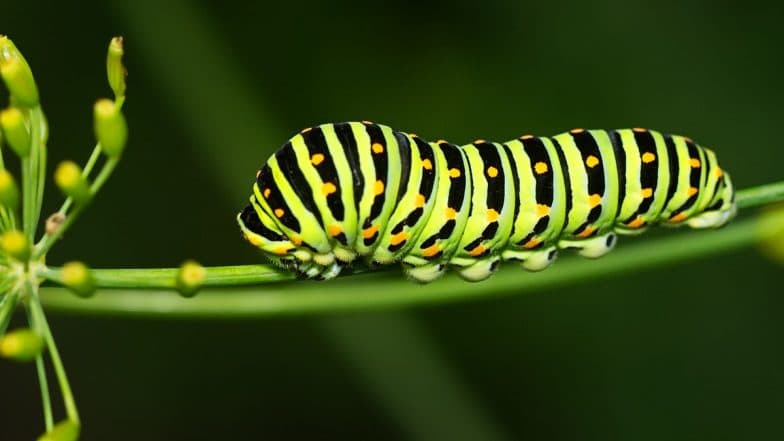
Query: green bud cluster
(24, 131)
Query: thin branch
(257, 274)
(43, 381)
(62, 378)
(393, 291)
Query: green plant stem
(371, 291)
(39, 168)
(166, 277)
(65, 387)
(27, 192)
(7, 306)
(256, 274)
(43, 381)
(760, 195)
(46, 242)
(30, 175)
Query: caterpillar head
(722, 208)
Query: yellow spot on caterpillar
(492, 171)
(258, 172)
(594, 200)
(378, 188)
(638, 130)
(413, 135)
(442, 141)
(279, 212)
(328, 188)
(646, 192)
(532, 243)
(719, 172)
(480, 141)
(254, 240)
(280, 250)
(527, 137)
(377, 148)
(454, 173)
(648, 157)
(420, 201)
(591, 161)
(691, 191)
(317, 158)
(450, 213)
(370, 231)
(694, 162)
(586, 232)
(688, 139)
(431, 250)
(306, 130)
(267, 192)
(398, 238)
(492, 215)
(678, 217)
(576, 131)
(636, 223)
(542, 210)
(426, 164)
(334, 230)
(364, 121)
(541, 168)
(479, 249)
(296, 240)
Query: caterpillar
(337, 192)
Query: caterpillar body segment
(337, 192)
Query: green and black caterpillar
(337, 192)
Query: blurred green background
(687, 352)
